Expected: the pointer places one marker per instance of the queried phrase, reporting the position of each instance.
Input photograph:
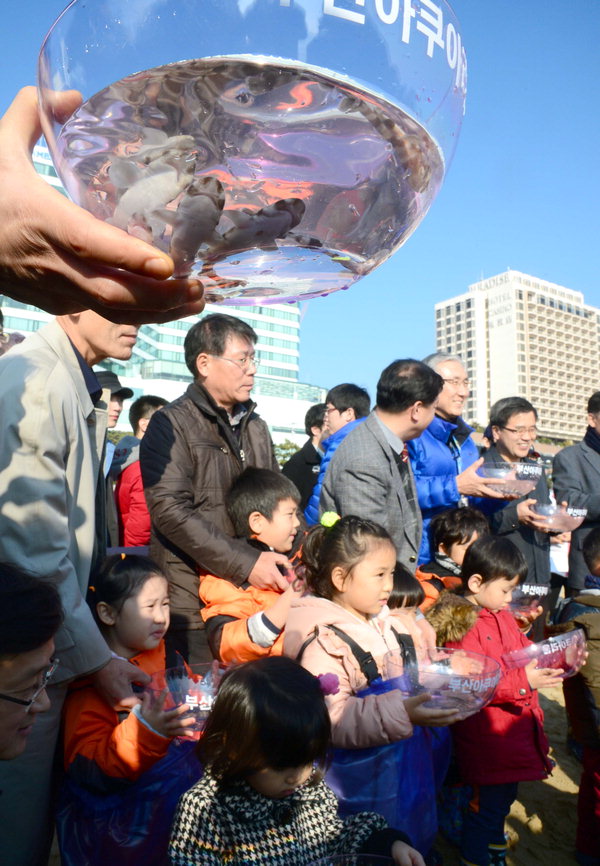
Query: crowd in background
(381, 536)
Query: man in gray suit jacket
(369, 474)
(576, 478)
(53, 417)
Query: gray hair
(436, 358)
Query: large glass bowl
(277, 149)
(455, 678)
(515, 479)
(564, 651)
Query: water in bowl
(267, 180)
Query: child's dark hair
(591, 549)
(456, 526)
(493, 557)
(344, 545)
(257, 490)
(407, 591)
(120, 577)
(269, 712)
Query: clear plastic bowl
(565, 651)
(527, 598)
(518, 479)
(455, 678)
(558, 517)
(194, 686)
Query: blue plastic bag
(132, 826)
(398, 781)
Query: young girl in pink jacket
(345, 628)
(349, 570)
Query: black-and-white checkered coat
(239, 826)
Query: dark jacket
(190, 455)
(576, 478)
(502, 515)
(303, 470)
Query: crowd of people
(379, 541)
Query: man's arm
(35, 503)
(58, 256)
(571, 484)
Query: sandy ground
(542, 822)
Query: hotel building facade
(521, 335)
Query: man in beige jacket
(53, 417)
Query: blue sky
(522, 191)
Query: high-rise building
(523, 336)
(158, 367)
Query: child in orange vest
(244, 622)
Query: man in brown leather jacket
(191, 453)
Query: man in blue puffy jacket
(346, 406)
(444, 458)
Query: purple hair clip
(330, 683)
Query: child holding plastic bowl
(124, 773)
(345, 627)
(503, 743)
(262, 799)
(349, 568)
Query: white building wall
(529, 337)
(502, 336)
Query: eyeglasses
(243, 363)
(457, 382)
(46, 676)
(520, 431)
(329, 410)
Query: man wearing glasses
(444, 458)
(346, 406)
(30, 615)
(513, 423)
(191, 453)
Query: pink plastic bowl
(455, 678)
(566, 651)
(516, 479)
(559, 518)
(527, 598)
(192, 685)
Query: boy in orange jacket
(245, 622)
